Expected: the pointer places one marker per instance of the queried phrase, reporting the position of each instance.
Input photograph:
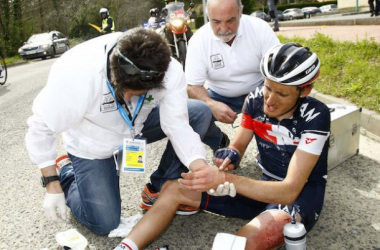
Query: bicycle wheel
(4, 72)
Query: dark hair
(148, 51)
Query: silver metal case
(345, 133)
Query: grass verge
(348, 70)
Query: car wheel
(43, 58)
(67, 47)
(290, 18)
(52, 54)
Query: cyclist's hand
(226, 159)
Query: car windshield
(38, 38)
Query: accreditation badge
(134, 151)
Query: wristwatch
(46, 180)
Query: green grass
(348, 70)
(13, 60)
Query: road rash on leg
(266, 230)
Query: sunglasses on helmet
(131, 69)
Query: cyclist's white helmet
(290, 64)
(104, 10)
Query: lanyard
(129, 120)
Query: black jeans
(374, 9)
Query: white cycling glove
(52, 202)
(224, 241)
(223, 190)
(125, 226)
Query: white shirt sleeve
(196, 64)
(56, 109)
(174, 118)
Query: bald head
(224, 16)
(223, 2)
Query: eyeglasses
(132, 69)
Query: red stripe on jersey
(259, 128)
(246, 122)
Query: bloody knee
(266, 230)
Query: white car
(43, 45)
(329, 8)
(294, 13)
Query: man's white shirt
(230, 71)
(76, 102)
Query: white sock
(126, 244)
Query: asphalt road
(350, 218)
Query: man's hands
(222, 112)
(202, 179)
(227, 159)
(51, 203)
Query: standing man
(374, 9)
(108, 24)
(225, 55)
(272, 5)
(121, 86)
(291, 131)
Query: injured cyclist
(291, 130)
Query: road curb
(337, 22)
(369, 121)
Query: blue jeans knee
(200, 116)
(92, 192)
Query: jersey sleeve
(317, 129)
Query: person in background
(374, 9)
(291, 131)
(272, 5)
(154, 19)
(108, 24)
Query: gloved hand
(125, 226)
(223, 190)
(230, 156)
(51, 203)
